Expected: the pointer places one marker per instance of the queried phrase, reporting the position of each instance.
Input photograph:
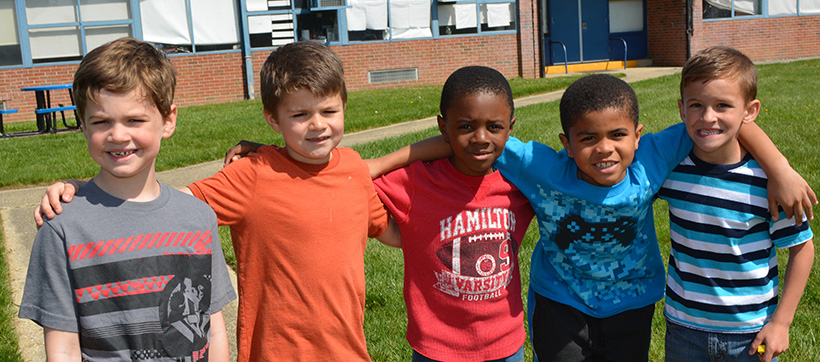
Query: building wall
(207, 78)
(666, 30)
(762, 39)
(216, 78)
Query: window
(625, 16)
(715, 9)
(369, 20)
(9, 36)
(471, 17)
(64, 30)
(184, 26)
(721, 9)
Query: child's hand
(793, 193)
(775, 337)
(50, 205)
(242, 149)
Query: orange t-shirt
(299, 232)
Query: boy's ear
(170, 122)
(442, 127)
(638, 131)
(752, 110)
(565, 142)
(269, 117)
(681, 110)
(509, 129)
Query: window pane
(270, 30)
(625, 16)
(367, 20)
(165, 22)
(99, 35)
(410, 19)
(40, 12)
(9, 37)
(215, 23)
(319, 25)
(457, 19)
(810, 6)
(102, 10)
(55, 44)
(496, 17)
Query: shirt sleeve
(514, 158)
(785, 234)
(661, 152)
(48, 297)
(222, 291)
(230, 191)
(395, 191)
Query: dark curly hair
(597, 92)
(475, 80)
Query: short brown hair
(721, 62)
(303, 64)
(122, 66)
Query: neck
(138, 189)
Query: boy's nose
(480, 136)
(316, 123)
(118, 133)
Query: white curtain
(166, 21)
(742, 7)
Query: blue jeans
(516, 357)
(690, 345)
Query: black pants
(561, 333)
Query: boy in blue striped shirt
(722, 287)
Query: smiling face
(311, 126)
(603, 145)
(713, 112)
(124, 131)
(477, 127)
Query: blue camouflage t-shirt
(597, 250)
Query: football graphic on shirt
(476, 263)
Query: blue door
(582, 26)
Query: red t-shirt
(460, 238)
(299, 232)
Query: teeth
(709, 133)
(605, 164)
(121, 154)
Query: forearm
(391, 236)
(755, 140)
(429, 149)
(61, 345)
(801, 258)
(219, 350)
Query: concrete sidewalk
(17, 207)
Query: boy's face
(713, 113)
(603, 145)
(311, 126)
(124, 131)
(477, 127)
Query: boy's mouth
(121, 154)
(318, 139)
(709, 132)
(606, 164)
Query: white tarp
(166, 21)
(410, 19)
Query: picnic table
(45, 113)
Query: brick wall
(215, 78)
(666, 30)
(764, 39)
(209, 78)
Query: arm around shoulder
(786, 187)
(429, 149)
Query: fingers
(773, 211)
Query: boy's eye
(465, 126)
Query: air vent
(393, 75)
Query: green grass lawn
(790, 115)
